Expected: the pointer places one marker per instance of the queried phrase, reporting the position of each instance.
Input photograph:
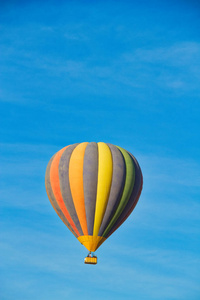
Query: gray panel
(90, 176)
(65, 186)
(117, 186)
(53, 200)
(133, 198)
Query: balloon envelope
(93, 187)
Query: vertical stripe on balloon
(128, 187)
(117, 186)
(76, 184)
(133, 198)
(55, 185)
(90, 173)
(65, 187)
(53, 200)
(105, 169)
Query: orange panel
(76, 184)
(55, 184)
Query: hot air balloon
(93, 188)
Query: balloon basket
(90, 259)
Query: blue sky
(122, 72)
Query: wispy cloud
(170, 170)
(164, 273)
(22, 175)
(179, 54)
(175, 65)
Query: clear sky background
(124, 72)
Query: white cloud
(179, 54)
(170, 170)
(164, 273)
(174, 67)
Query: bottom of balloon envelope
(91, 242)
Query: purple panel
(90, 176)
(117, 186)
(133, 199)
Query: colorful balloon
(93, 187)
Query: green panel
(128, 187)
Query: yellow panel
(105, 169)
(76, 183)
(90, 242)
